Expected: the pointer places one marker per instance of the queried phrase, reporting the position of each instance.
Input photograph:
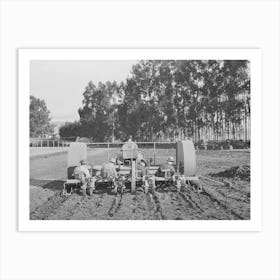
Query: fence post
(108, 151)
(154, 153)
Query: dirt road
(216, 202)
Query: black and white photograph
(147, 139)
(139, 140)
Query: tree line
(167, 100)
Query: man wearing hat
(169, 165)
(140, 158)
(129, 144)
(129, 150)
(142, 168)
(108, 170)
(82, 173)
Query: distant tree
(39, 118)
(71, 129)
(98, 114)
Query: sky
(62, 83)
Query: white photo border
(255, 58)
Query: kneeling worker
(169, 166)
(142, 168)
(82, 173)
(108, 170)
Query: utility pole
(113, 133)
(113, 103)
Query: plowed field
(216, 202)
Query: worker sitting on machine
(129, 140)
(142, 168)
(129, 150)
(119, 159)
(108, 170)
(141, 165)
(82, 173)
(166, 168)
(171, 161)
(140, 158)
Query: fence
(199, 145)
(152, 151)
(43, 143)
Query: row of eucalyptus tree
(168, 99)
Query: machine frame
(129, 176)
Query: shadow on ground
(54, 185)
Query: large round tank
(186, 158)
(77, 152)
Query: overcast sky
(62, 83)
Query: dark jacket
(165, 166)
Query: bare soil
(216, 202)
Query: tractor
(129, 176)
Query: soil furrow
(156, 200)
(116, 205)
(226, 204)
(43, 211)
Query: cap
(170, 159)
